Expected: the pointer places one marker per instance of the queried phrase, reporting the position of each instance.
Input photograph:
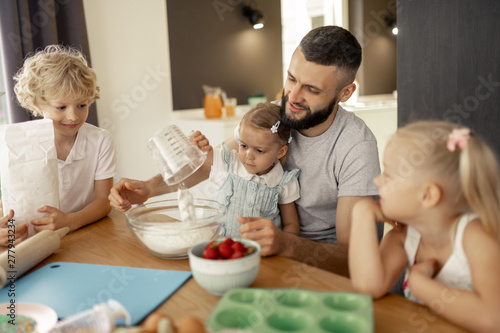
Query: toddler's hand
(201, 141)
(20, 234)
(54, 221)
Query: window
(3, 105)
(300, 16)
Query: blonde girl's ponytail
(480, 183)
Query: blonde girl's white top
(456, 270)
(91, 158)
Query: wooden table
(110, 242)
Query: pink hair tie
(458, 137)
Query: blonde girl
(441, 184)
(56, 83)
(251, 182)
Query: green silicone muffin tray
(292, 310)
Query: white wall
(129, 52)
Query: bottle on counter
(213, 102)
(100, 319)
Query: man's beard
(310, 120)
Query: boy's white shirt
(94, 147)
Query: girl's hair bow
(458, 137)
(274, 128)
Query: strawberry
(237, 254)
(229, 241)
(250, 250)
(210, 253)
(238, 247)
(225, 250)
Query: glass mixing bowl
(159, 228)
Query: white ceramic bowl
(218, 276)
(159, 228)
(44, 316)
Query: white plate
(44, 316)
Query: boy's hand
(21, 231)
(201, 141)
(54, 221)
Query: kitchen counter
(380, 113)
(215, 129)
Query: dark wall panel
(448, 64)
(377, 73)
(212, 43)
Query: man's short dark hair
(333, 46)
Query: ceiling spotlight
(254, 16)
(391, 22)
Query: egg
(190, 324)
(130, 330)
(159, 323)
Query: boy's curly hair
(54, 73)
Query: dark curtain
(28, 25)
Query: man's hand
(263, 231)
(128, 192)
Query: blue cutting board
(69, 288)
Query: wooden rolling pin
(29, 253)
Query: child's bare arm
(373, 269)
(475, 310)
(94, 211)
(289, 218)
(97, 209)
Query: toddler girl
(56, 83)
(441, 184)
(251, 182)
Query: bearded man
(335, 151)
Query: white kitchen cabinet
(380, 113)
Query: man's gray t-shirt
(343, 161)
